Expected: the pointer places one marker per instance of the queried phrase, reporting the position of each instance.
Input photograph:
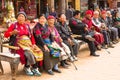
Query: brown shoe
(111, 46)
(106, 46)
(99, 47)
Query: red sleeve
(10, 29)
(32, 39)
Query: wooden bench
(13, 59)
(76, 37)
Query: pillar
(77, 4)
(112, 3)
(66, 4)
(51, 4)
(39, 7)
(62, 6)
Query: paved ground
(105, 67)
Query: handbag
(54, 52)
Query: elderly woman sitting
(29, 53)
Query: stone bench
(13, 59)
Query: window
(118, 4)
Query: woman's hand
(36, 48)
(33, 46)
(46, 48)
(61, 39)
(14, 32)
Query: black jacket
(43, 34)
(63, 30)
(77, 27)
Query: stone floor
(105, 67)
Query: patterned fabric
(40, 33)
(22, 31)
(55, 33)
(25, 43)
(63, 47)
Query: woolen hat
(103, 12)
(22, 13)
(88, 12)
(50, 17)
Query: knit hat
(50, 17)
(22, 13)
(103, 12)
(88, 12)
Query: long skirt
(65, 51)
(32, 54)
(49, 62)
(99, 39)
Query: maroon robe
(99, 39)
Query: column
(51, 3)
(62, 6)
(77, 4)
(66, 4)
(39, 7)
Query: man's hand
(70, 41)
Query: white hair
(96, 12)
(108, 12)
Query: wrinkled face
(117, 14)
(78, 16)
(104, 15)
(62, 18)
(21, 18)
(51, 22)
(96, 15)
(89, 16)
(108, 14)
(42, 20)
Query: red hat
(103, 12)
(50, 17)
(88, 12)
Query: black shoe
(50, 72)
(63, 64)
(57, 70)
(67, 63)
(95, 55)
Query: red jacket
(23, 30)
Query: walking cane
(71, 61)
(107, 51)
(74, 65)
